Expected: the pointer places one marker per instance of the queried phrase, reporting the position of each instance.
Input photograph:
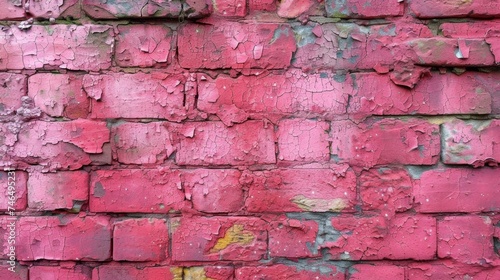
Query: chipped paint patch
(236, 234)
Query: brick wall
(231, 139)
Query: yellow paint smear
(234, 235)
(195, 273)
(319, 204)
(176, 273)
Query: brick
(298, 190)
(17, 184)
(214, 190)
(466, 239)
(20, 272)
(450, 270)
(262, 5)
(230, 8)
(141, 143)
(212, 143)
(66, 237)
(375, 238)
(218, 239)
(236, 45)
(135, 190)
(143, 45)
(388, 141)
(102, 9)
(208, 272)
(480, 29)
(54, 9)
(130, 272)
(303, 140)
(59, 95)
(471, 142)
(140, 240)
(363, 8)
(443, 9)
(12, 88)
(77, 272)
(13, 9)
(376, 272)
(8, 237)
(386, 189)
(291, 238)
(140, 95)
(273, 96)
(434, 95)
(294, 8)
(67, 190)
(72, 47)
(280, 271)
(458, 190)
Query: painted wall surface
(233, 139)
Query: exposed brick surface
(77, 272)
(13, 87)
(293, 238)
(17, 181)
(54, 9)
(363, 8)
(439, 9)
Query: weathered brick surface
(12, 9)
(363, 8)
(450, 270)
(20, 272)
(440, 9)
(102, 9)
(303, 140)
(54, 9)
(13, 184)
(230, 8)
(12, 88)
(292, 238)
(77, 272)
(208, 272)
(275, 272)
(127, 271)
(479, 29)
(376, 272)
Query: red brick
(273, 96)
(83, 47)
(8, 237)
(262, 5)
(294, 8)
(135, 190)
(471, 142)
(466, 239)
(67, 190)
(297, 190)
(376, 272)
(130, 272)
(143, 45)
(214, 190)
(212, 143)
(389, 141)
(443, 9)
(54, 9)
(12, 9)
(208, 272)
(450, 270)
(236, 45)
(438, 94)
(141, 143)
(458, 190)
(17, 184)
(67, 237)
(12, 88)
(303, 140)
(375, 238)
(103, 9)
(140, 95)
(140, 240)
(59, 95)
(386, 189)
(20, 272)
(280, 271)
(480, 29)
(78, 272)
(291, 238)
(363, 8)
(218, 239)
(230, 8)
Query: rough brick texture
(259, 139)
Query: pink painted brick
(479, 29)
(140, 240)
(386, 189)
(297, 190)
(208, 272)
(12, 10)
(363, 8)
(15, 186)
(471, 142)
(450, 270)
(375, 238)
(102, 9)
(388, 141)
(458, 190)
(280, 271)
(66, 237)
(443, 9)
(214, 190)
(20, 272)
(262, 5)
(291, 238)
(131, 272)
(141, 143)
(67, 190)
(54, 9)
(59, 95)
(143, 45)
(295, 8)
(82, 47)
(218, 239)
(236, 45)
(303, 140)
(376, 272)
(294, 93)
(140, 95)
(466, 239)
(12, 88)
(230, 8)
(212, 143)
(135, 190)
(77, 272)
